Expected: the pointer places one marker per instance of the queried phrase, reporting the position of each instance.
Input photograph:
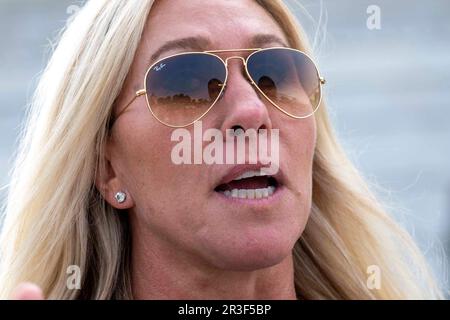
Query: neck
(162, 271)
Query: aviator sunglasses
(182, 88)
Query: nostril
(237, 130)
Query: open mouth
(249, 185)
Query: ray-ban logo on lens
(160, 67)
(238, 147)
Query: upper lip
(238, 170)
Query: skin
(186, 242)
(27, 291)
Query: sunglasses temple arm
(138, 94)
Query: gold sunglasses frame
(143, 91)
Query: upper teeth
(250, 193)
(250, 174)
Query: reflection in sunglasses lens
(183, 87)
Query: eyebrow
(201, 44)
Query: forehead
(227, 24)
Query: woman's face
(178, 207)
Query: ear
(108, 183)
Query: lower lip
(262, 202)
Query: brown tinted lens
(180, 89)
(288, 78)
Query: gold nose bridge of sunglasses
(244, 62)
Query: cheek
(145, 147)
(165, 194)
(298, 141)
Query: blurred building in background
(388, 92)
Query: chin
(253, 250)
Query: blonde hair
(55, 217)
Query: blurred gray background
(388, 92)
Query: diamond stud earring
(120, 196)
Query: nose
(241, 103)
